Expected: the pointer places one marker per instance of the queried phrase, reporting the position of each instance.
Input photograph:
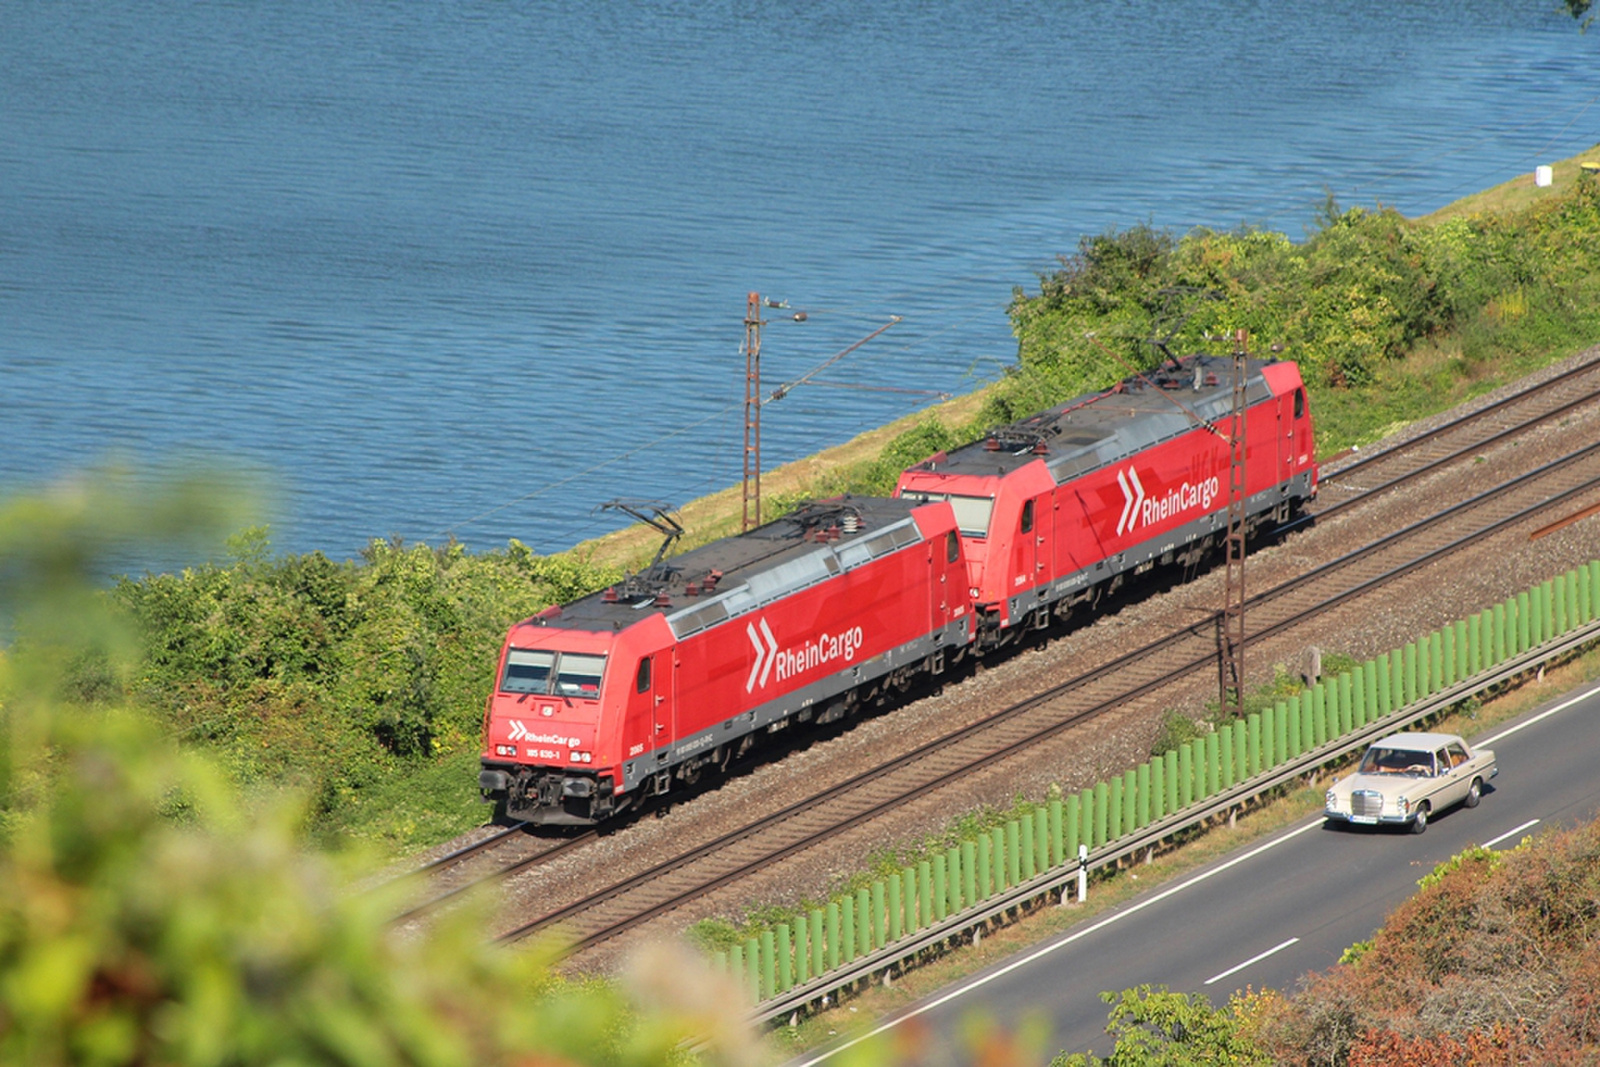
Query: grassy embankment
(362, 682)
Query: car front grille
(1366, 803)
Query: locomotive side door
(640, 732)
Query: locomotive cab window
(642, 682)
(1299, 403)
(972, 512)
(527, 672)
(1027, 517)
(578, 675)
(952, 547)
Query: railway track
(629, 902)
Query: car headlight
(1404, 805)
(1330, 801)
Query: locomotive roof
(728, 577)
(1097, 429)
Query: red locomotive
(612, 698)
(615, 697)
(1056, 509)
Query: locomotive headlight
(973, 592)
(505, 750)
(581, 757)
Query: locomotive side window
(578, 675)
(1027, 517)
(1299, 403)
(952, 547)
(527, 672)
(642, 683)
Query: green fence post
(1547, 617)
(1408, 681)
(1385, 684)
(736, 966)
(1370, 671)
(849, 946)
(1295, 745)
(969, 874)
(926, 891)
(1586, 597)
(1142, 787)
(1213, 766)
(1477, 626)
(1057, 838)
(1452, 654)
(1270, 752)
(818, 944)
(1002, 859)
(1498, 639)
(895, 900)
(1279, 735)
(1241, 750)
(1346, 687)
(835, 943)
(1170, 772)
(1225, 761)
(1185, 775)
(880, 909)
(955, 880)
(1072, 827)
(985, 867)
(1524, 622)
(1130, 800)
(1252, 744)
(1436, 668)
(1102, 815)
(865, 919)
(940, 880)
(769, 966)
(1013, 866)
(1563, 601)
(1319, 715)
(1358, 697)
(1023, 863)
(1041, 838)
(1594, 588)
(785, 960)
(1114, 810)
(910, 896)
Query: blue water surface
(472, 269)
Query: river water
(476, 268)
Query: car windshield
(1380, 760)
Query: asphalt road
(1276, 909)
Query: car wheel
(1474, 793)
(1420, 823)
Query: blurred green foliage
(151, 915)
(337, 677)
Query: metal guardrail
(1195, 815)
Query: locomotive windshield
(972, 512)
(574, 674)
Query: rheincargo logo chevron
(766, 654)
(1132, 498)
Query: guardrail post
(1057, 840)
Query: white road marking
(1511, 833)
(1023, 961)
(1563, 706)
(1253, 959)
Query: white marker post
(1083, 873)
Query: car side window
(1444, 764)
(1458, 754)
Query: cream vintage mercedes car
(1406, 778)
